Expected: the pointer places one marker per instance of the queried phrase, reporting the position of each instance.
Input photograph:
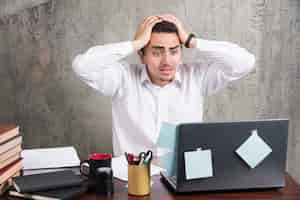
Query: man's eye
(156, 53)
(174, 51)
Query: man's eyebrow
(175, 47)
(161, 47)
(157, 47)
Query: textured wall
(40, 91)
(279, 71)
(7, 91)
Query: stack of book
(10, 155)
(59, 185)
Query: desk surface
(160, 191)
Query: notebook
(57, 194)
(46, 181)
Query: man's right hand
(143, 33)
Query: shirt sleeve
(226, 62)
(101, 68)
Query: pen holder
(138, 179)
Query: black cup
(95, 161)
(104, 181)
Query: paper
(254, 150)
(167, 149)
(50, 158)
(198, 164)
(120, 168)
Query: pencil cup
(139, 179)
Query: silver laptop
(230, 170)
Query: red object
(130, 157)
(100, 156)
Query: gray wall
(40, 92)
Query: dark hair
(163, 27)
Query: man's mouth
(166, 69)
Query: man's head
(162, 54)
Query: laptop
(230, 171)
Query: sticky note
(198, 164)
(254, 150)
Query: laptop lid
(230, 171)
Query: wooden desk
(159, 191)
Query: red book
(10, 170)
(7, 132)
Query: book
(7, 184)
(46, 181)
(15, 141)
(9, 153)
(10, 170)
(67, 193)
(7, 132)
(9, 160)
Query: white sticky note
(198, 164)
(254, 150)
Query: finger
(170, 18)
(152, 23)
(165, 18)
(145, 21)
(154, 19)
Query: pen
(141, 161)
(148, 158)
(129, 158)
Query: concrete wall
(41, 93)
(7, 87)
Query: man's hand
(183, 35)
(143, 33)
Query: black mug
(95, 161)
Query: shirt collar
(145, 77)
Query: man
(161, 89)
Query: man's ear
(141, 53)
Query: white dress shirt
(139, 107)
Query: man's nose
(166, 58)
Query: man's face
(162, 56)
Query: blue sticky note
(198, 164)
(254, 150)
